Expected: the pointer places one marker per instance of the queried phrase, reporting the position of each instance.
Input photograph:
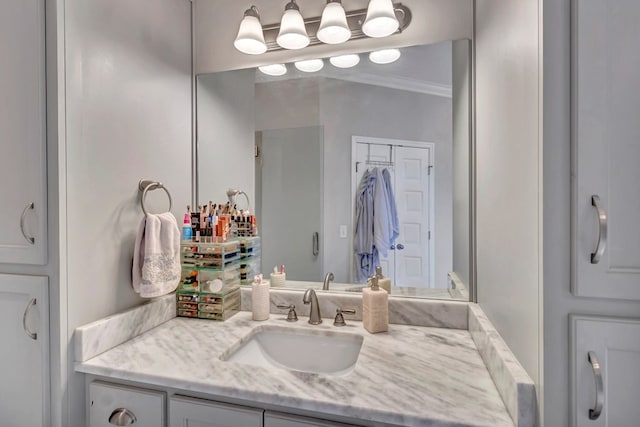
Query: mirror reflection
(350, 168)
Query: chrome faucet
(328, 278)
(310, 297)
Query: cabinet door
(278, 419)
(613, 346)
(22, 133)
(111, 403)
(24, 353)
(606, 149)
(191, 412)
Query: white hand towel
(156, 257)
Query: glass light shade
(274, 69)
(345, 61)
(293, 34)
(381, 19)
(333, 25)
(310, 65)
(250, 38)
(386, 56)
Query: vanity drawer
(279, 419)
(111, 401)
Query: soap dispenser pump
(375, 308)
(383, 282)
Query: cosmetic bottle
(260, 298)
(187, 232)
(375, 308)
(383, 282)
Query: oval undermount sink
(321, 352)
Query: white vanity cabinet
(606, 371)
(111, 404)
(279, 419)
(24, 351)
(22, 133)
(606, 149)
(189, 412)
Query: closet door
(605, 371)
(22, 133)
(606, 149)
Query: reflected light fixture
(274, 69)
(381, 20)
(345, 61)
(310, 65)
(293, 33)
(334, 28)
(250, 38)
(385, 56)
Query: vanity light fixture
(345, 61)
(336, 25)
(385, 56)
(310, 65)
(274, 69)
(250, 38)
(293, 33)
(334, 28)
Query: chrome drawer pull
(594, 413)
(602, 230)
(122, 417)
(32, 335)
(24, 214)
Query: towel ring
(145, 185)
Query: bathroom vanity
(177, 374)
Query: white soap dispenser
(375, 308)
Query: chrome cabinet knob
(122, 417)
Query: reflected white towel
(156, 256)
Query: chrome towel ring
(145, 185)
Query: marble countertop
(409, 376)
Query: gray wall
(216, 24)
(460, 156)
(558, 301)
(509, 173)
(346, 109)
(226, 135)
(128, 116)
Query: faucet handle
(292, 316)
(339, 320)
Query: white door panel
(615, 344)
(606, 147)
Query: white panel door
(413, 257)
(278, 419)
(22, 133)
(289, 180)
(191, 412)
(606, 108)
(610, 397)
(24, 353)
(123, 403)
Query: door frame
(355, 140)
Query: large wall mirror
(306, 146)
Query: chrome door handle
(24, 214)
(32, 335)
(122, 417)
(594, 413)
(315, 244)
(602, 230)
(400, 246)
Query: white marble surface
(410, 376)
(402, 311)
(512, 381)
(104, 334)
